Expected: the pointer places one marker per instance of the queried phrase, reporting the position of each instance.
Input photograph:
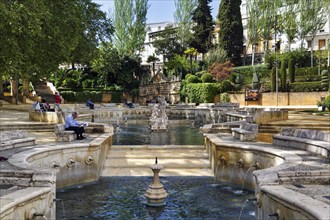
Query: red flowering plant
(221, 71)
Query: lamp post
(276, 58)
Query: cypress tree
(231, 29)
(203, 27)
(273, 79)
(283, 75)
(291, 70)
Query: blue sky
(159, 10)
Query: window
(321, 43)
(309, 44)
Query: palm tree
(153, 59)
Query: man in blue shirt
(72, 125)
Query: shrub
(291, 70)
(305, 87)
(224, 97)
(226, 86)
(207, 77)
(327, 102)
(202, 92)
(273, 79)
(192, 79)
(283, 76)
(221, 71)
(324, 80)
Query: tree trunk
(253, 49)
(312, 45)
(25, 91)
(1, 88)
(14, 91)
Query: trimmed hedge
(82, 97)
(305, 87)
(203, 92)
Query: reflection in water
(123, 198)
(138, 133)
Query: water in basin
(123, 198)
(137, 133)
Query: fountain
(156, 194)
(158, 119)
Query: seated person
(36, 106)
(129, 104)
(45, 105)
(72, 125)
(90, 104)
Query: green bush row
(307, 71)
(203, 92)
(305, 87)
(307, 78)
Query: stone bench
(15, 139)
(17, 143)
(61, 135)
(245, 132)
(310, 140)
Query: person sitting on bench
(72, 125)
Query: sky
(159, 10)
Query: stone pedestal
(156, 193)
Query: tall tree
(253, 24)
(166, 43)
(203, 27)
(318, 12)
(183, 17)
(130, 18)
(231, 29)
(289, 20)
(268, 10)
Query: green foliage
(273, 79)
(224, 97)
(255, 81)
(192, 79)
(308, 78)
(207, 78)
(178, 65)
(248, 71)
(305, 87)
(203, 27)
(325, 80)
(203, 92)
(327, 102)
(81, 97)
(217, 54)
(226, 86)
(291, 70)
(283, 76)
(231, 31)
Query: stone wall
(168, 89)
(284, 98)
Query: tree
(167, 44)
(203, 27)
(289, 20)
(191, 52)
(231, 29)
(253, 24)
(318, 13)
(183, 17)
(39, 35)
(130, 26)
(268, 10)
(153, 59)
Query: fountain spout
(240, 162)
(223, 160)
(257, 165)
(274, 215)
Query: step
(158, 153)
(157, 147)
(138, 171)
(182, 163)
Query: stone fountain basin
(287, 184)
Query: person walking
(58, 101)
(72, 125)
